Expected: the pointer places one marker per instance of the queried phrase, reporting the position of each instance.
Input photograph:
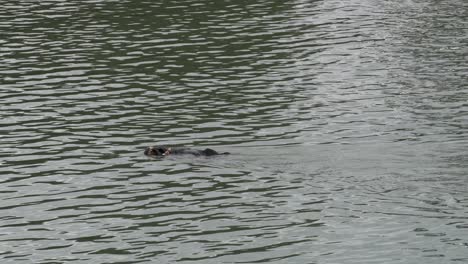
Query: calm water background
(347, 120)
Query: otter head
(155, 151)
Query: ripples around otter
(346, 122)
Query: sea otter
(166, 151)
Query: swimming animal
(166, 151)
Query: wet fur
(166, 151)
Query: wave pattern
(346, 122)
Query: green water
(347, 124)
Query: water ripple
(346, 123)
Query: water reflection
(345, 122)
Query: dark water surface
(347, 120)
